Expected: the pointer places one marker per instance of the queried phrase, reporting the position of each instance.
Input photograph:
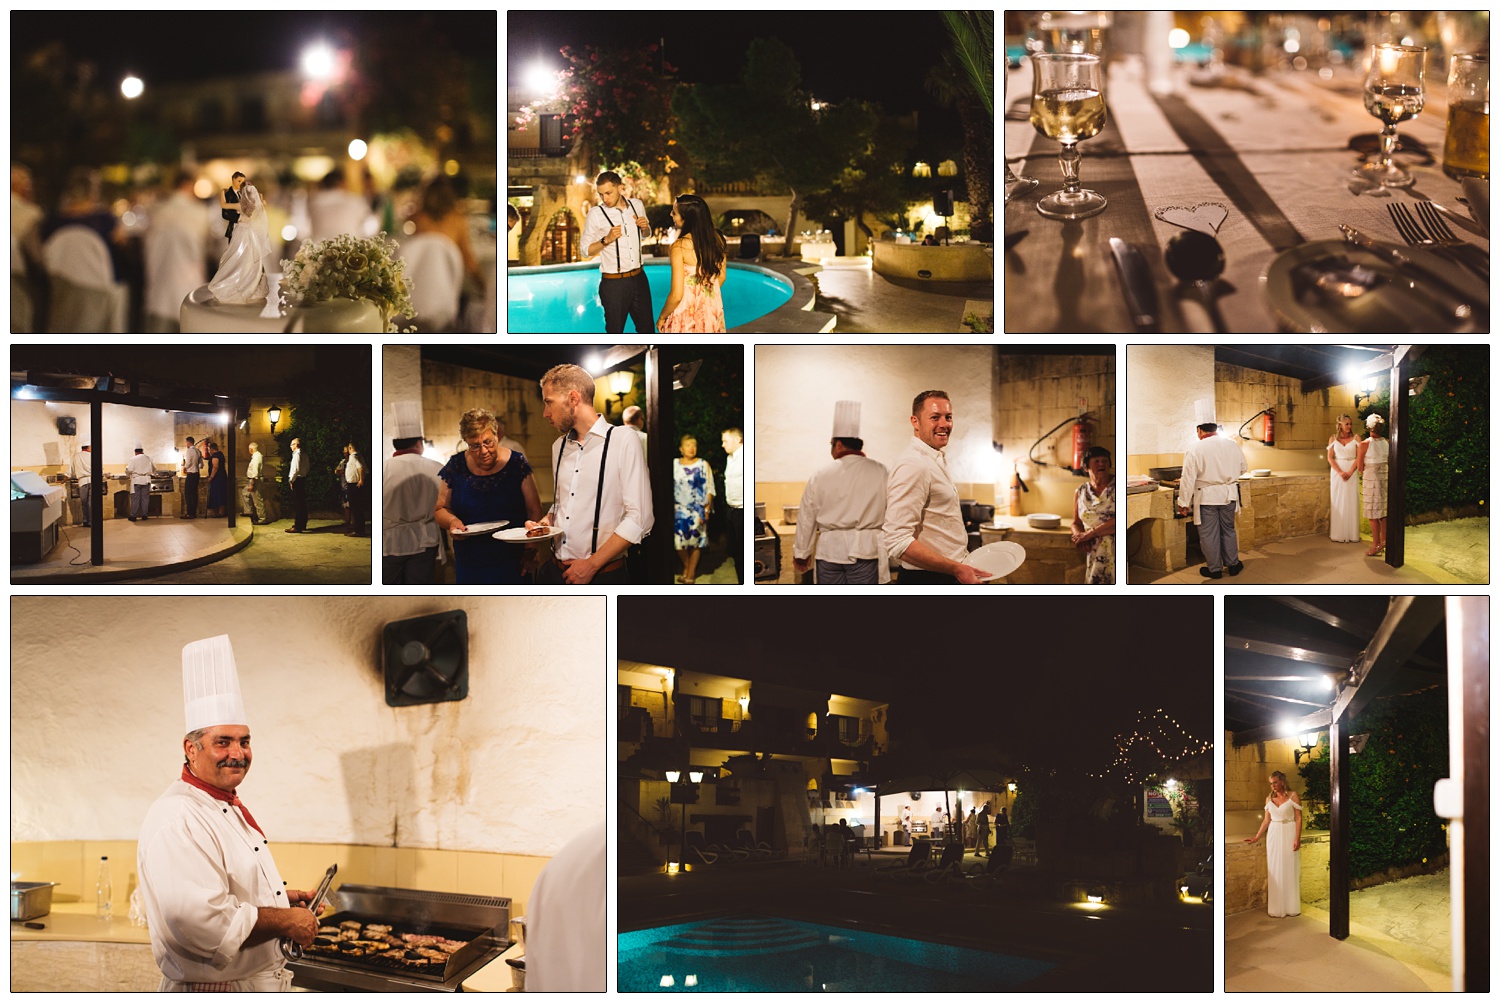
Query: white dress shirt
(842, 513)
(734, 478)
(334, 212)
(204, 874)
(297, 471)
(192, 461)
(922, 502)
(83, 467)
(252, 472)
(409, 493)
(352, 469)
(140, 468)
(624, 254)
(1211, 471)
(626, 509)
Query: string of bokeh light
(1168, 741)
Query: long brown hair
(708, 244)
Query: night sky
(1035, 673)
(869, 55)
(183, 46)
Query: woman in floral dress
(700, 264)
(1094, 518)
(693, 493)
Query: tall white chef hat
(211, 684)
(846, 419)
(1203, 412)
(406, 419)
(138, 445)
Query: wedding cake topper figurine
(229, 205)
(241, 277)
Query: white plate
(1261, 472)
(1044, 520)
(996, 525)
(998, 559)
(518, 535)
(1388, 307)
(480, 528)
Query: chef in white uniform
(215, 904)
(140, 468)
(565, 931)
(410, 543)
(1210, 489)
(843, 510)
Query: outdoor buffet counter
(1271, 149)
(1287, 504)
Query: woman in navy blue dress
(485, 483)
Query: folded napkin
(1477, 191)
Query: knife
(290, 948)
(1449, 298)
(1138, 283)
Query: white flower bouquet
(351, 268)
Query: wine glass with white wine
(1067, 104)
(1393, 93)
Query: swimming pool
(564, 299)
(770, 954)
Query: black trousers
(916, 576)
(737, 539)
(410, 569)
(190, 492)
(630, 296)
(359, 499)
(299, 503)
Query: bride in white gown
(241, 277)
(1343, 483)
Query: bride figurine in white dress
(241, 277)
(1343, 483)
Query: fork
(1447, 246)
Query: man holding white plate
(924, 525)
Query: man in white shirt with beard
(1210, 492)
(924, 525)
(843, 510)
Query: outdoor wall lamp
(620, 383)
(1309, 742)
(274, 416)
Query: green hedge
(1391, 821)
(1448, 462)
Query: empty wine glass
(1067, 104)
(1393, 93)
(1014, 185)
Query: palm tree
(965, 79)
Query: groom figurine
(612, 230)
(231, 199)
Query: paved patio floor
(867, 303)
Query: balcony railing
(535, 152)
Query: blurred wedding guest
(409, 493)
(512, 217)
(25, 249)
(335, 209)
(440, 214)
(173, 249)
(693, 490)
(359, 492)
(506, 440)
(81, 205)
(635, 418)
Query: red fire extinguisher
(1083, 438)
(1268, 434)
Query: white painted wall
(1162, 382)
(97, 719)
(796, 387)
(33, 429)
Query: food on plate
(538, 531)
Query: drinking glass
(1014, 185)
(1393, 93)
(1466, 149)
(1067, 104)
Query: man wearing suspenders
(612, 230)
(600, 485)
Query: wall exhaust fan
(426, 659)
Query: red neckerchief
(218, 795)
(406, 452)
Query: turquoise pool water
(769, 954)
(564, 299)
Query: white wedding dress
(1343, 517)
(241, 277)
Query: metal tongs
(292, 950)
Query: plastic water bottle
(105, 892)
